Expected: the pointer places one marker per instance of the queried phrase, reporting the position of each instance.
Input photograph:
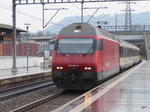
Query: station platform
(128, 92)
(8, 73)
(10, 78)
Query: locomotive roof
(76, 29)
(128, 45)
(84, 29)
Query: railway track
(15, 91)
(50, 102)
(38, 102)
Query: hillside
(137, 19)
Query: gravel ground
(13, 103)
(57, 102)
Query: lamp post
(27, 48)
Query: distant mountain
(137, 19)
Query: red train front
(83, 56)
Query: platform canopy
(8, 28)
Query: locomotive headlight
(87, 68)
(59, 68)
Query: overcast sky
(33, 13)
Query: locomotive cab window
(75, 45)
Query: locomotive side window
(75, 45)
(98, 45)
(56, 44)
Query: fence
(21, 49)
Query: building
(6, 32)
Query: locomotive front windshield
(75, 45)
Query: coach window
(134, 50)
(125, 52)
(121, 51)
(129, 51)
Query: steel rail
(13, 92)
(38, 102)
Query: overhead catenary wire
(110, 13)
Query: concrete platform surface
(8, 73)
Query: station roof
(8, 28)
(42, 38)
(50, 39)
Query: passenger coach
(129, 55)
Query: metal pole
(52, 17)
(58, 9)
(93, 15)
(27, 49)
(82, 12)
(43, 14)
(116, 22)
(14, 36)
(146, 45)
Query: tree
(39, 33)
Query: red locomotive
(84, 56)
